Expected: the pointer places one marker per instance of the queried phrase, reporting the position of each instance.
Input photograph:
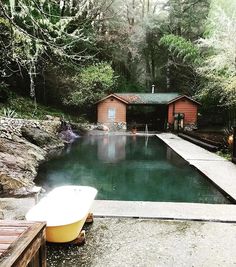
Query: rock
(18, 164)
(112, 126)
(49, 117)
(190, 127)
(41, 138)
(103, 127)
(24, 144)
(52, 118)
(81, 128)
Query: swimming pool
(132, 168)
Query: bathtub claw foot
(80, 240)
(89, 218)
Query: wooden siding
(111, 102)
(189, 108)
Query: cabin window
(111, 114)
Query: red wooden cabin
(112, 110)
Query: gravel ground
(137, 242)
(121, 242)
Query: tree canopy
(74, 52)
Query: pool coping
(165, 210)
(211, 165)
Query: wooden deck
(22, 244)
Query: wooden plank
(16, 223)
(42, 250)
(17, 250)
(30, 252)
(7, 239)
(12, 229)
(4, 246)
(36, 259)
(11, 233)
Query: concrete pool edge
(165, 210)
(217, 169)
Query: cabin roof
(147, 98)
(184, 96)
(115, 96)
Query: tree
(185, 24)
(49, 30)
(92, 83)
(144, 58)
(39, 29)
(219, 66)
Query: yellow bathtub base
(64, 233)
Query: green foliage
(97, 75)
(24, 108)
(9, 113)
(230, 91)
(225, 154)
(92, 83)
(5, 44)
(181, 48)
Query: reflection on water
(129, 168)
(111, 148)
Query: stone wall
(113, 126)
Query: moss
(182, 227)
(225, 154)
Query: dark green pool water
(129, 168)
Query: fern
(9, 113)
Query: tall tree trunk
(168, 74)
(148, 71)
(148, 6)
(133, 8)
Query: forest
(69, 54)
